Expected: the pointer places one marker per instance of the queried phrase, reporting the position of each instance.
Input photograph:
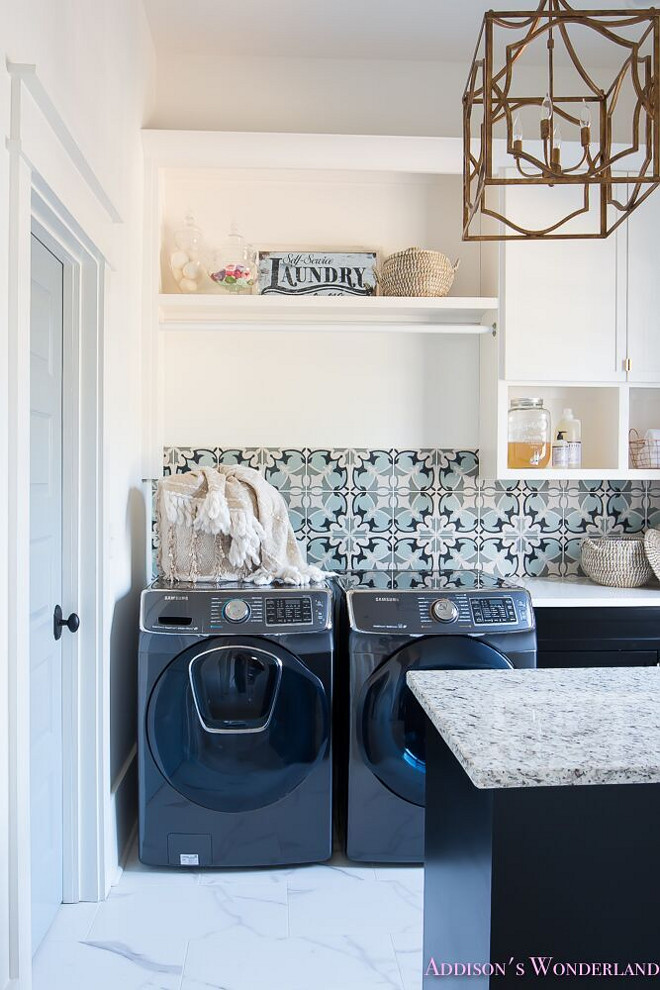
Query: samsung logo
(385, 598)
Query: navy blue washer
(234, 726)
(388, 629)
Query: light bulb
(555, 158)
(517, 129)
(585, 115)
(546, 116)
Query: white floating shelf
(450, 314)
(578, 474)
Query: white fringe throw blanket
(226, 524)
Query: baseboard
(124, 816)
(125, 768)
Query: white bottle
(560, 451)
(572, 434)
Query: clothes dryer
(395, 622)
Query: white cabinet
(562, 302)
(574, 316)
(581, 310)
(643, 309)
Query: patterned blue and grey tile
(426, 509)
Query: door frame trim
(33, 201)
(82, 296)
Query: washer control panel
(212, 610)
(236, 610)
(493, 611)
(444, 610)
(441, 612)
(290, 611)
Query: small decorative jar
(185, 260)
(233, 267)
(530, 437)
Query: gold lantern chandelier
(593, 134)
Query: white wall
(332, 389)
(96, 63)
(347, 96)
(324, 95)
(4, 553)
(368, 390)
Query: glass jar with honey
(530, 436)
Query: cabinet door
(644, 292)
(562, 301)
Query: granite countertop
(535, 728)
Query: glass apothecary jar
(529, 434)
(233, 266)
(186, 258)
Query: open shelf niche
(393, 371)
(607, 412)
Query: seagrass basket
(617, 561)
(415, 272)
(652, 547)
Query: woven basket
(652, 547)
(414, 272)
(617, 561)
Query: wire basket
(414, 272)
(644, 452)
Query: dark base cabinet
(598, 637)
(538, 886)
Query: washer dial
(444, 610)
(236, 610)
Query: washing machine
(395, 622)
(234, 725)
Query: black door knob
(72, 623)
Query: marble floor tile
(136, 875)
(191, 912)
(355, 962)
(408, 876)
(73, 921)
(139, 963)
(334, 926)
(303, 875)
(408, 952)
(343, 906)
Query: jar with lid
(233, 267)
(530, 436)
(185, 259)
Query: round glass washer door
(391, 725)
(235, 725)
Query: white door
(45, 587)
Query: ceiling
(417, 30)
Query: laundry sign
(317, 273)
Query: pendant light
(595, 131)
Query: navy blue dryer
(234, 733)
(393, 623)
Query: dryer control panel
(441, 612)
(207, 611)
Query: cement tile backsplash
(425, 509)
